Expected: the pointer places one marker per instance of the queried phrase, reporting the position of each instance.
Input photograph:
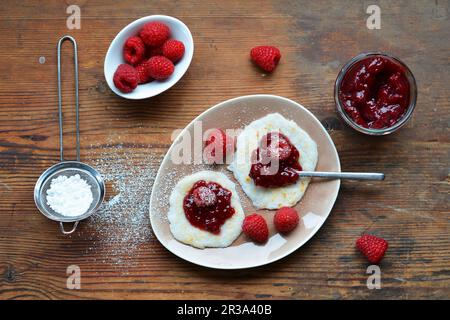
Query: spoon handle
(343, 175)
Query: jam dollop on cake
(207, 206)
(375, 92)
(275, 148)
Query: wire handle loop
(75, 61)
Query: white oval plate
(314, 207)
(114, 56)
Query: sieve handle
(61, 226)
(75, 61)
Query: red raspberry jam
(375, 92)
(208, 212)
(278, 147)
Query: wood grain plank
(316, 38)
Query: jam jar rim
(412, 99)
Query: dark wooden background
(410, 209)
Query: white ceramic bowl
(114, 56)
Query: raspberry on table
(126, 78)
(160, 67)
(266, 57)
(173, 50)
(154, 34)
(372, 247)
(286, 219)
(134, 50)
(255, 227)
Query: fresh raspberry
(218, 140)
(278, 146)
(160, 67)
(255, 227)
(134, 50)
(173, 50)
(156, 51)
(285, 219)
(266, 57)
(204, 197)
(142, 70)
(372, 247)
(126, 78)
(154, 34)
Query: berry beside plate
(372, 247)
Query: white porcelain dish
(114, 56)
(314, 207)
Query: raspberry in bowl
(375, 93)
(140, 45)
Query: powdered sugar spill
(122, 223)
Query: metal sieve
(68, 168)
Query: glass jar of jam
(375, 93)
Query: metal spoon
(343, 175)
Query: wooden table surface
(410, 209)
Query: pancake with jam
(269, 153)
(205, 210)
